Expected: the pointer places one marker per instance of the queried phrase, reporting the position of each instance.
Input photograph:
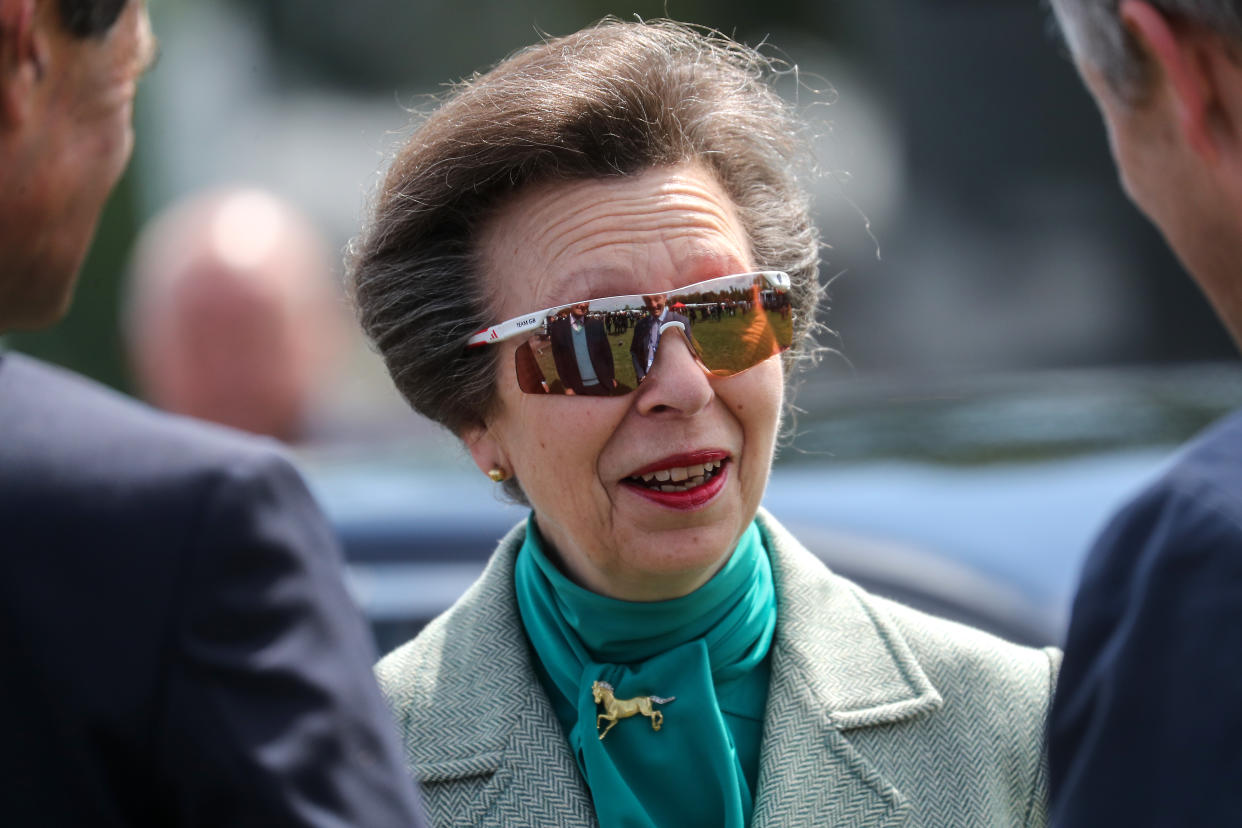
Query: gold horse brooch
(616, 709)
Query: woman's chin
(670, 567)
(668, 560)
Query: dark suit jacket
(1146, 727)
(640, 345)
(177, 645)
(597, 349)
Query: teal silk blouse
(706, 651)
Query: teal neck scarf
(707, 651)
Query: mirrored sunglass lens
(732, 325)
(740, 331)
(588, 356)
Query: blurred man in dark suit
(178, 647)
(1147, 724)
(647, 332)
(581, 351)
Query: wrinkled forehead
(583, 240)
(652, 284)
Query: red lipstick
(688, 499)
(692, 458)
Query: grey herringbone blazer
(877, 715)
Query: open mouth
(678, 478)
(683, 482)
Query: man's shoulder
(1154, 626)
(1178, 523)
(106, 489)
(1212, 458)
(79, 460)
(54, 416)
(33, 391)
(1196, 501)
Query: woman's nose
(676, 383)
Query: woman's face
(580, 459)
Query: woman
(650, 648)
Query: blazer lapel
(500, 757)
(531, 779)
(837, 665)
(810, 774)
(538, 781)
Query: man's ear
(486, 450)
(22, 60)
(1187, 67)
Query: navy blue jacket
(1146, 726)
(176, 645)
(641, 346)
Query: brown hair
(614, 99)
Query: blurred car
(974, 500)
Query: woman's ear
(486, 450)
(1185, 69)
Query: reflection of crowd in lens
(647, 331)
(577, 357)
(576, 349)
(618, 322)
(775, 300)
(581, 352)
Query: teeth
(681, 478)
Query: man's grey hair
(1096, 34)
(615, 99)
